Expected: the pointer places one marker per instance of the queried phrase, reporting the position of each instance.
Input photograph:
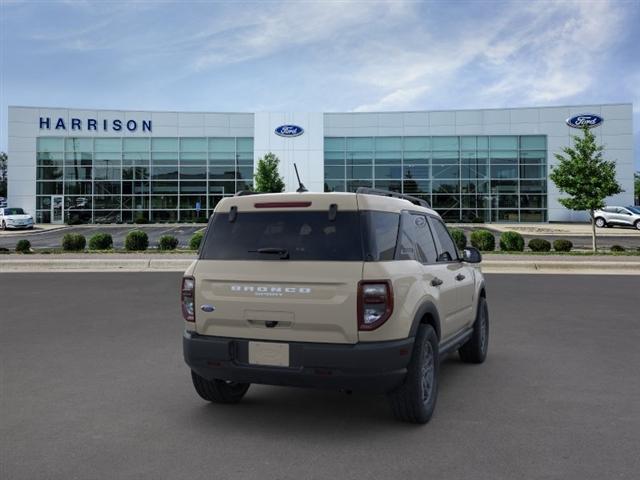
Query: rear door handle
(460, 277)
(436, 282)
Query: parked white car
(15, 218)
(623, 216)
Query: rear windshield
(290, 236)
(284, 236)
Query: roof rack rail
(389, 193)
(242, 193)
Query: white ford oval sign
(583, 120)
(289, 131)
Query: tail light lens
(187, 298)
(375, 303)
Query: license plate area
(269, 353)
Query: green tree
(585, 177)
(267, 178)
(636, 187)
(3, 174)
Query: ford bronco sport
(357, 291)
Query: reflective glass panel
(165, 144)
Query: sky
(318, 55)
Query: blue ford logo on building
(588, 120)
(289, 131)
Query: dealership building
(490, 165)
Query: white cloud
(259, 32)
(400, 98)
(535, 53)
(557, 54)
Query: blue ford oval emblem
(207, 308)
(588, 120)
(289, 131)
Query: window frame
(439, 246)
(400, 232)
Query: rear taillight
(375, 303)
(187, 298)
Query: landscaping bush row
(135, 241)
(485, 241)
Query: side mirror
(471, 255)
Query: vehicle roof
(319, 201)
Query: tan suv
(357, 291)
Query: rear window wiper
(283, 252)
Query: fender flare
(426, 308)
(482, 290)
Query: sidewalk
(97, 263)
(179, 262)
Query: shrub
(194, 243)
(477, 220)
(483, 240)
(562, 245)
(136, 240)
(167, 242)
(101, 241)
(617, 248)
(73, 242)
(202, 220)
(142, 220)
(459, 237)
(511, 242)
(539, 245)
(23, 246)
(4, 250)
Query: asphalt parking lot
(94, 387)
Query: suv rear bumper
(372, 367)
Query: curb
(97, 265)
(180, 265)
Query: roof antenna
(301, 188)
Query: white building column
(306, 150)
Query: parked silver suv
(611, 216)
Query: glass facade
(500, 178)
(111, 180)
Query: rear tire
(415, 400)
(637, 224)
(601, 222)
(475, 349)
(219, 391)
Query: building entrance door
(57, 209)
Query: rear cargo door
(281, 275)
(278, 300)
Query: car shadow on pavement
(315, 412)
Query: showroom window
(111, 180)
(465, 178)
